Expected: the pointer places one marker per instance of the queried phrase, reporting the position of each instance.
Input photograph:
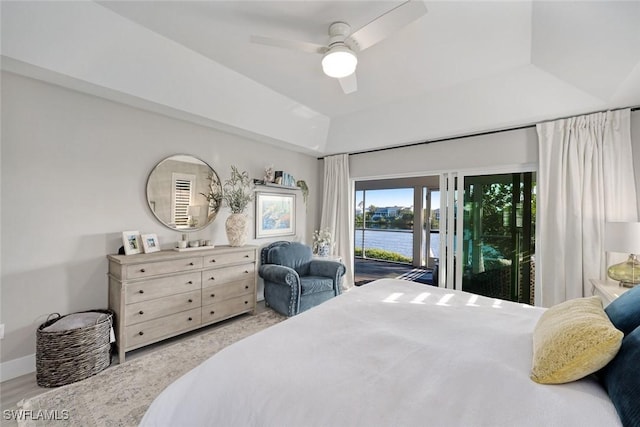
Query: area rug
(120, 395)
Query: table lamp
(624, 237)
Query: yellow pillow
(572, 340)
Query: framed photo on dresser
(150, 243)
(132, 242)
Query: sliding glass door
(498, 236)
(475, 231)
(487, 234)
(397, 220)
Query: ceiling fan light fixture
(339, 62)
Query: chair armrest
(279, 274)
(332, 269)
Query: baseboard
(17, 367)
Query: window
(183, 188)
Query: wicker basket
(67, 356)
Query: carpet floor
(119, 396)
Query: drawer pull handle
(213, 312)
(213, 260)
(246, 256)
(213, 295)
(246, 302)
(212, 278)
(190, 263)
(246, 272)
(190, 282)
(142, 270)
(190, 319)
(141, 312)
(246, 287)
(140, 333)
(190, 300)
(141, 291)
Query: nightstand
(608, 290)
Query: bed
(392, 352)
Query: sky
(395, 197)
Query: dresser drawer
(149, 269)
(227, 308)
(225, 291)
(162, 287)
(152, 309)
(229, 258)
(152, 330)
(227, 274)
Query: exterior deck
(367, 270)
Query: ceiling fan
(340, 54)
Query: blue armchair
(294, 281)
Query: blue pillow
(624, 311)
(621, 378)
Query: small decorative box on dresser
(163, 294)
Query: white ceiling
(464, 67)
(454, 43)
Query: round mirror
(184, 193)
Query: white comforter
(391, 353)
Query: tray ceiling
(462, 68)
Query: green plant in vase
(237, 196)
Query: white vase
(323, 250)
(236, 227)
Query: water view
(399, 241)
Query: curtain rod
(489, 132)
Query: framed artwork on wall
(131, 242)
(150, 243)
(275, 214)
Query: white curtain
(337, 206)
(585, 179)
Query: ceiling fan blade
(349, 84)
(290, 44)
(387, 24)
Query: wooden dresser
(163, 294)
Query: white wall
(516, 147)
(114, 57)
(485, 152)
(74, 171)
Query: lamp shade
(339, 61)
(622, 237)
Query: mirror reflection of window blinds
(183, 186)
